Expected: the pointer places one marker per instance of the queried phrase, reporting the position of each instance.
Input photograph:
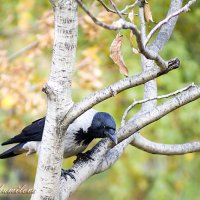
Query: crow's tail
(14, 151)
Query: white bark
(58, 90)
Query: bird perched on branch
(79, 134)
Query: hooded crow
(79, 134)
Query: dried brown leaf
(116, 54)
(147, 12)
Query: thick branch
(164, 149)
(114, 154)
(150, 88)
(146, 145)
(112, 90)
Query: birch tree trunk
(58, 90)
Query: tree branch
(110, 91)
(164, 149)
(166, 20)
(166, 30)
(106, 7)
(96, 21)
(148, 146)
(185, 97)
(153, 98)
(130, 6)
(116, 9)
(142, 24)
(122, 24)
(123, 12)
(150, 87)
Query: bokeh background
(26, 32)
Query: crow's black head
(103, 125)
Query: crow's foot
(68, 172)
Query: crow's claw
(83, 157)
(68, 172)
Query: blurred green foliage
(137, 175)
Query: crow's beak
(111, 134)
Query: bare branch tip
(174, 63)
(48, 91)
(44, 88)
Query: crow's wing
(32, 132)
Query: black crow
(80, 133)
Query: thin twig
(164, 21)
(116, 9)
(106, 7)
(95, 20)
(129, 6)
(154, 98)
(122, 24)
(122, 12)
